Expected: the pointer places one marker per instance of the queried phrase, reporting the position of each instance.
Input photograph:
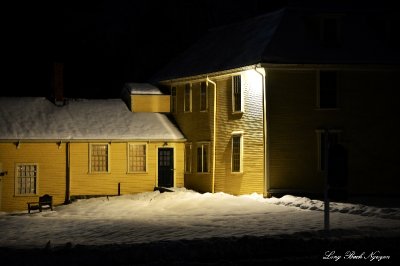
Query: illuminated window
(237, 147)
(173, 100)
(188, 97)
(188, 158)
(99, 158)
(327, 93)
(333, 136)
(237, 94)
(26, 179)
(203, 153)
(203, 96)
(137, 158)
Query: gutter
(68, 174)
(266, 187)
(21, 141)
(200, 77)
(214, 134)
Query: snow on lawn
(185, 214)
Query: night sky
(104, 44)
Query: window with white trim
(188, 98)
(173, 100)
(237, 151)
(237, 97)
(203, 154)
(26, 177)
(203, 97)
(137, 158)
(188, 157)
(99, 158)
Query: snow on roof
(289, 35)
(38, 118)
(142, 88)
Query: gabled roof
(287, 36)
(39, 119)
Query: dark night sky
(106, 43)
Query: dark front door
(165, 167)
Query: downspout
(68, 174)
(214, 134)
(265, 136)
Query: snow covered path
(185, 214)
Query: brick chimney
(58, 84)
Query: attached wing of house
(84, 148)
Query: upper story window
(137, 158)
(173, 100)
(237, 94)
(188, 98)
(188, 158)
(99, 158)
(26, 179)
(327, 90)
(237, 151)
(203, 96)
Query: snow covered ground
(186, 215)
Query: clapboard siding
(150, 103)
(85, 183)
(365, 115)
(51, 161)
(198, 127)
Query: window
(237, 94)
(203, 97)
(327, 93)
(237, 147)
(99, 158)
(188, 97)
(330, 31)
(137, 158)
(333, 136)
(203, 150)
(173, 100)
(26, 179)
(188, 158)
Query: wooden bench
(45, 202)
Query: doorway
(165, 167)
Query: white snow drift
(185, 214)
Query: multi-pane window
(173, 100)
(203, 152)
(26, 179)
(188, 158)
(188, 97)
(327, 95)
(137, 158)
(99, 158)
(237, 94)
(333, 138)
(236, 153)
(203, 96)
